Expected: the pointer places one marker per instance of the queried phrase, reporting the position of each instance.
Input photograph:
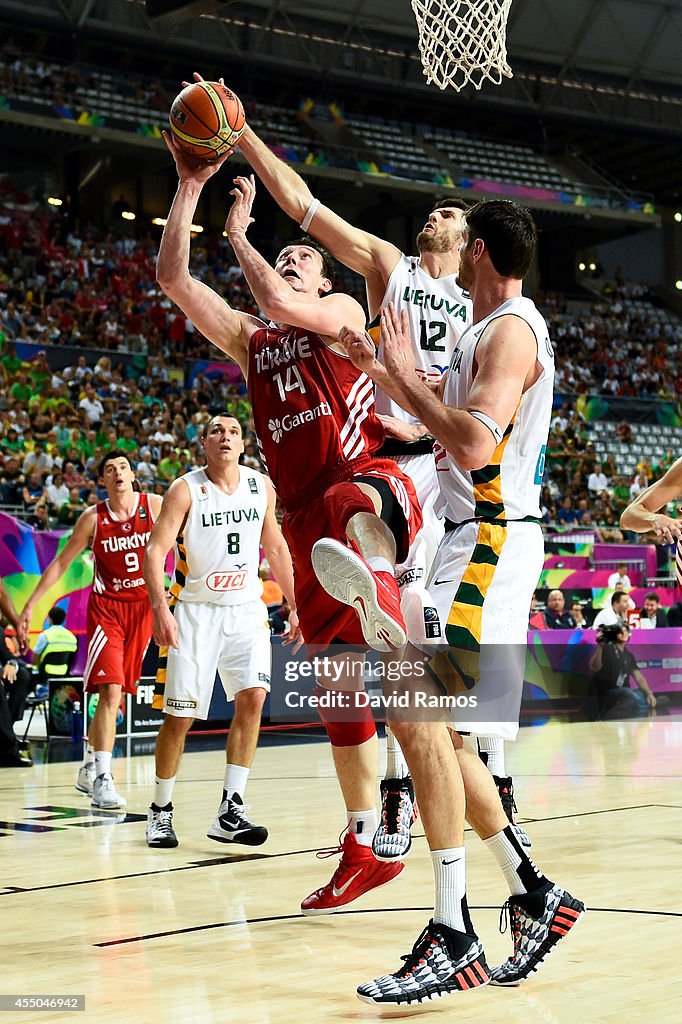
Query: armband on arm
(488, 422)
(309, 214)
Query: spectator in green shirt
(71, 509)
(12, 442)
(21, 390)
(169, 468)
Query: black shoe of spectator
(16, 760)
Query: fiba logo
(275, 428)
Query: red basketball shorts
(118, 637)
(324, 620)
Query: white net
(462, 41)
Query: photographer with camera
(613, 666)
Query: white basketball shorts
(233, 640)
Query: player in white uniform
(218, 517)
(491, 454)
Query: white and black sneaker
(442, 962)
(160, 833)
(393, 839)
(538, 921)
(86, 778)
(505, 787)
(104, 795)
(232, 825)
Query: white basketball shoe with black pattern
(393, 839)
(442, 962)
(160, 832)
(538, 921)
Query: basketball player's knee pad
(344, 500)
(341, 732)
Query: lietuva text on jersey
(313, 410)
(230, 516)
(438, 311)
(218, 551)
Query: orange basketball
(206, 119)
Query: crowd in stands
(593, 348)
(580, 490)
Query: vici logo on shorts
(228, 579)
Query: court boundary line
(377, 910)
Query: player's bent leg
(541, 913)
(447, 958)
(355, 752)
(362, 576)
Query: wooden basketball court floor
(213, 933)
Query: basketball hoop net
(463, 41)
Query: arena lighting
(160, 222)
(678, 285)
(678, 215)
(54, 201)
(581, 266)
(128, 215)
(593, 266)
(196, 229)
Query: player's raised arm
(287, 301)
(208, 311)
(78, 541)
(174, 509)
(643, 514)
(361, 251)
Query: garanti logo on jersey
(228, 579)
(278, 428)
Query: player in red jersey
(119, 619)
(314, 414)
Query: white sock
(89, 754)
(449, 872)
(520, 872)
(363, 825)
(163, 791)
(236, 777)
(493, 746)
(396, 765)
(102, 762)
(378, 564)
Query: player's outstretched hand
(190, 168)
(360, 349)
(667, 530)
(239, 218)
(400, 429)
(294, 636)
(221, 81)
(396, 342)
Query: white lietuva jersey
(509, 487)
(218, 552)
(439, 312)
